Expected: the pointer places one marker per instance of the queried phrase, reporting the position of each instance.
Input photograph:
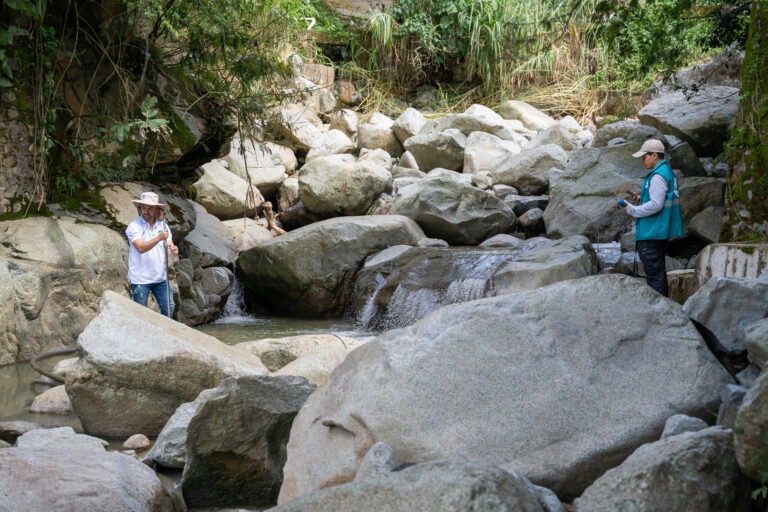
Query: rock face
(399, 290)
(52, 275)
(224, 194)
(689, 471)
(236, 440)
(204, 280)
(725, 306)
(428, 487)
(330, 186)
(442, 387)
(704, 120)
(94, 481)
(583, 196)
(138, 366)
(309, 271)
(170, 449)
(447, 208)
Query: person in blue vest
(658, 213)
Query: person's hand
(623, 204)
(173, 248)
(635, 198)
(164, 234)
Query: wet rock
(447, 208)
(503, 240)
(637, 368)
(11, 430)
(309, 271)
(399, 290)
(532, 222)
(52, 401)
(236, 440)
(723, 306)
(690, 471)
(429, 487)
(127, 383)
(521, 204)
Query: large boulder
(170, 448)
(529, 171)
(298, 127)
(137, 367)
(582, 198)
(315, 366)
(429, 487)
(704, 120)
(446, 207)
(236, 440)
(56, 478)
(557, 134)
(628, 129)
(586, 389)
(724, 306)
(698, 194)
(477, 118)
(309, 271)
(52, 274)
(247, 233)
(397, 290)
(408, 124)
(331, 186)
(332, 142)
(438, 149)
(486, 152)
(276, 353)
(689, 471)
(223, 193)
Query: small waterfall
(366, 318)
(234, 310)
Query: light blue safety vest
(668, 222)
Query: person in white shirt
(148, 236)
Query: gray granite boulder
(378, 133)
(750, 443)
(556, 134)
(690, 471)
(331, 187)
(170, 449)
(629, 130)
(723, 307)
(530, 116)
(61, 437)
(408, 124)
(587, 388)
(679, 423)
(262, 162)
(332, 142)
(236, 440)
(447, 208)
(756, 342)
(224, 194)
(707, 223)
(486, 152)
(704, 120)
(276, 353)
(137, 367)
(309, 271)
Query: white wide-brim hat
(149, 199)
(650, 146)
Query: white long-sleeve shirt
(657, 192)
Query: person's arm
(173, 248)
(657, 192)
(143, 246)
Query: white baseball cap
(650, 146)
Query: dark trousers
(652, 254)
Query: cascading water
(234, 310)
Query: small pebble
(137, 442)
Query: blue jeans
(140, 294)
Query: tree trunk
(747, 194)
